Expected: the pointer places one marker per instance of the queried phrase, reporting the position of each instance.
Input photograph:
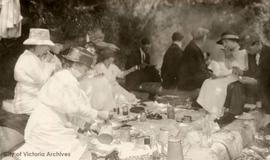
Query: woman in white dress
(213, 91)
(32, 70)
(107, 68)
(97, 87)
(50, 127)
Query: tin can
(170, 112)
(187, 119)
(125, 110)
(175, 150)
(147, 140)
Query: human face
(40, 50)
(79, 70)
(230, 44)
(146, 48)
(254, 48)
(109, 61)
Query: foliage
(125, 22)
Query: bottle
(142, 117)
(170, 112)
(118, 110)
(125, 110)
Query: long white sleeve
(29, 69)
(219, 68)
(63, 94)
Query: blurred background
(125, 22)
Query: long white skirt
(213, 94)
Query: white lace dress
(111, 73)
(213, 91)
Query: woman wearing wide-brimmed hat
(107, 67)
(50, 127)
(213, 91)
(32, 70)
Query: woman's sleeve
(214, 67)
(219, 69)
(29, 70)
(242, 60)
(75, 102)
(246, 61)
(118, 73)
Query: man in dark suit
(253, 83)
(171, 62)
(147, 72)
(193, 69)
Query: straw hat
(39, 36)
(80, 55)
(228, 35)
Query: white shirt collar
(179, 44)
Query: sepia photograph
(134, 80)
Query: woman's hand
(214, 76)
(237, 71)
(248, 80)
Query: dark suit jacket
(264, 77)
(170, 65)
(135, 59)
(193, 69)
(264, 64)
(253, 68)
(148, 74)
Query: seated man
(171, 62)
(253, 81)
(147, 72)
(193, 69)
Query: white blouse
(111, 73)
(30, 73)
(50, 127)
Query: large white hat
(39, 36)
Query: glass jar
(170, 112)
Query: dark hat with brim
(229, 36)
(80, 55)
(107, 53)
